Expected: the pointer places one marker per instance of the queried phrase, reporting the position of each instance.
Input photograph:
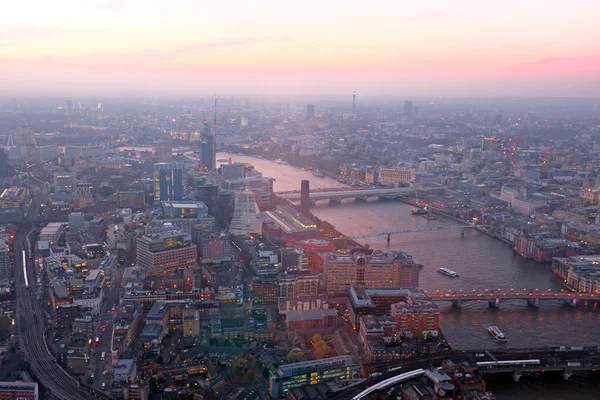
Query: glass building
(168, 182)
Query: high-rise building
(208, 154)
(164, 151)
(168, 181)
(165, 253)
(76, 222)
(305, 197)
(224, 208)
(310, 112)
(245, 220)
(69, 109)
(5, 259)
(5, 170)
(207, 194)
(354, 103)
(408, 108)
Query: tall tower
(304, 197)
(353, 102)
(214, 140)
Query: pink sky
(391, 48)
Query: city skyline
(444, 49)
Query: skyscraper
(353, 102)
(168, 181)
(5, 170)
(305, 197)
(408, 108)
(310, 112)
(208, 156)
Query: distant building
(164, 151)
(310, 112)
(408, 108)
(396, 175)
(65, 182)
(168, 181)
(232, 171)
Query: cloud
(21, 32)
(427, 16)
(571, 66)
(112, 5)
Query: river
(482, 262)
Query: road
(106, 319)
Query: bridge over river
(494, 297)
(338, 195)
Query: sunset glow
(277, 47)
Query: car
(105, 372)
(103, 386)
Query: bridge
(432, 229)
(518, 362)
(494, 297)
(338, 195)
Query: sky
(303, 47)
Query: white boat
(497, 334)
(319, 174)
(280, 161)
(448, 272)
(302, 169)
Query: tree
(317, 338)
(292, 357)
(105, 191)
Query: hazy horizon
(270, 48)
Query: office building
(416, 318)
(396, 175)
(490, 143)
(256, 183)
(76, 222)
(224, 208)
(208, 149)
(290, 376)
(5, 170)
(289, 224)
(164, 151)
(84, 151)
(207, 194)
(5, 258)
(310, 112)
(65, 182)
(167, 252)
(46, 153)
(215, 248)
(135, 199)
(233, 171)
(245, 220)
(19, 391)
(168, 181)
(408, 108)
(377, 301)
(12, 204)
(184, 210)
(390, 269)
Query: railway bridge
(337, 195)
